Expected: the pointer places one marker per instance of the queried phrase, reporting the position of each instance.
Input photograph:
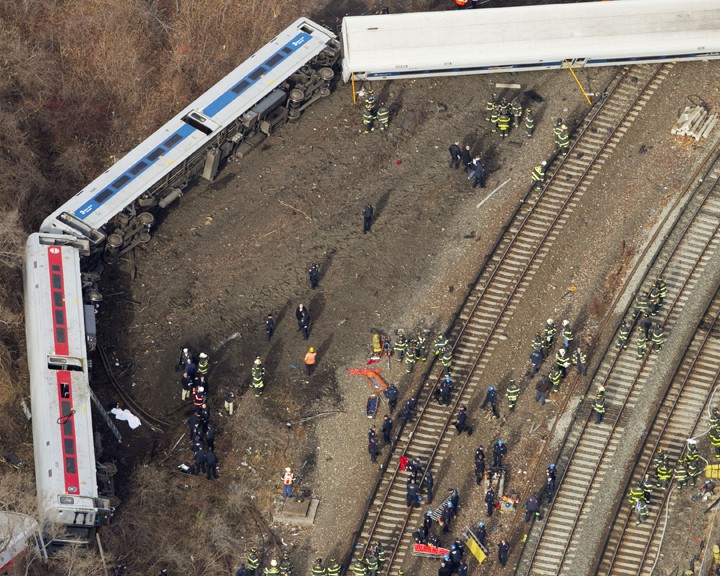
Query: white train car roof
(476, 41)
(59, 387)
(165, 149)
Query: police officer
(538, 175)
(391, 393)
(536, 358)
(481, 533)
(490, 500)
(499, 452)
(491, 398)
(478, 173)
(461, 422)
(314, 275)
(212, 463)
(408, 411)
(269, 326)
(479, 470)
(512, 392)
(383, 116)
(200, 462)
(446, 390)
(549, 488)
(531, 508)
(529, 123)
(446, 516)
(184, 359)
(429, 483)
(466, 158)
(503, 552)
(368, 213)
(387, 429)
(412, 493)
(373, 449)
(454, 155)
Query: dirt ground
(232, 251)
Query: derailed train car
(113, 214)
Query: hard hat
(203, 355)
(491, 388)
(185, 350)
(462, 407)
(544, 163)
(253, 550)
(500, 442)
(312, 349)
(273, 562)
(447, 377)
(446, 557)
(450, 504)
(552, 466)
(561, 351)
(481, 524)
(201, 389)
(287, 469)
(258, 361)
(549, 320)
(319, 560)
(566, 322)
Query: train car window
(104, 195)
(55, 268)
(155, 154)
(68, 363)
(60, 317)
(257, 73)
(120, 182)
(274, 60)
(305, 28)
(240, 87)
(67, 427)
(287, 50)
(60, 335)
(196, 121)
(64, 390)
(139, 167)
(69, 446)
(66, 409)
(70, 467)
(174, 139)
(56, 280)
(58, 299)
(66, 500)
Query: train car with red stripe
(65, 471)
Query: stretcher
(373, 378)
(372, 405)
(428, 551)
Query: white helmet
(273, 563)
(566, 322)
(287, 469)
(258, 361)
(550, 321)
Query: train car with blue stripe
(527, 38)
(115, 211)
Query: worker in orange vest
(461, 3)
(287, 479)
(310, 361)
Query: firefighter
(253, 562)
(400, 346)
(358, 568)
(490, 107)
(599, 409)
(562, 139)
(538, 175)
(446, 360)
(367, 118)
(440, 344)
(661, 289)
(410, 356)
(662, 475)
(372, 565)
(555, 376)
(580, 360)
(516, 110)
(529, 123)
(642, 306)
(681, 475)
(318, 569)
(286, 566)
(714, 418)
(503, 124)
(636, 493)
(563, 361)
(641, 512)
(203, 365)
(658, 338)
(420, 348)
(567, 334)
(642, 344)
(258, 376)
(333, 568)
(623, 335)
(549, 336)
(383, 117)
(512, 392)
(646, 487)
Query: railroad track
(490, 304)
(152, 421)
(588, 454)
(632, 549)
